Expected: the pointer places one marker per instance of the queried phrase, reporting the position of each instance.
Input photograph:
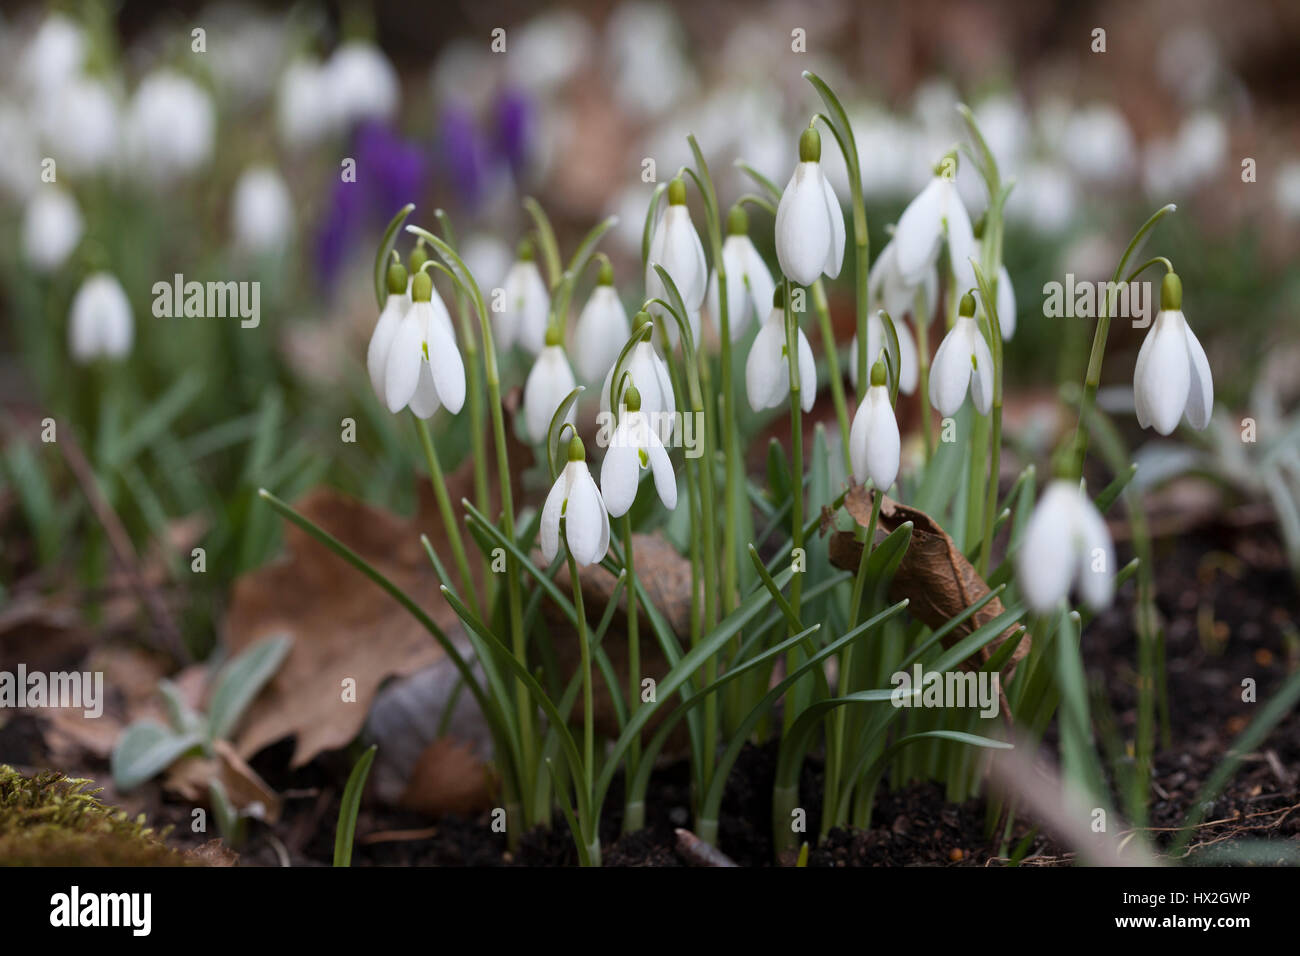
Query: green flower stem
(922, 317)
(794, 655)
(988, 292)
(439, 483)
(584, 650)
(634, 809)
(833, 365)
(518, 645)
(474, 386)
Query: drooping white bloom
(575, 500)
(767, 370)
(634, 446)
(601, 331)
(303, 109)
(874, 441)
(909, 370)
(1006, 296)
(424, 369)
(676, 246)
(52, 227)
(54, 55)
(936, 215)
(549, 383)
(100, 323)
(81, 125)
(390, 319)
(170, 127)
(1098, 144)
(527, 305)
(362, 84)
(963, 362)
(645, 367)
(262, 211)
(1172, 376)
(1066, 542)
(809, 220)
(749, 284)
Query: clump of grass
(51, 819)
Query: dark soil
(1230, 609)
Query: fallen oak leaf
(190, 777)
(933, 575)
(449, 777)
(344, 628)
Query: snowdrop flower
(602, 328)
(633, 447)
(676, 246)
(909, 370)
(1172, 376)
(1006, 296)
(303, 107)
(645, 367)
(886, 289)
(549, 383)
(390, 318)
(963, 361)
(749, 284)
(767, 370)
(361, 84)
(424, 368)
(54, 55)
(1066, 542)
(52, 227)
(100, 322)
(527, 305)
(936, 215)
(262, 211)
(874, 441)
(1099, 144)
(170, 126)
(809, 221)
(81, 125)
(575, 500)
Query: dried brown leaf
(934, 576)
(449, 777)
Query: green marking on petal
(645, 459)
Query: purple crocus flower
(514, 128)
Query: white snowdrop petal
(402, 373)
(445, 362)
(767, 376)
(761, 287)
(661, 467)
(1139, 401)
(1166, 376)
(381, 340)
(620, 473)
(981, 383)
(908, 367)
(807, 374)
(549, 529)
(835, 216)
(425, 402)
(950, 373)
(804, 239)
(583, 516)
(548, 384)
(1046, 558)
(1096, 555)
(1200, 395)
(916, 239)
(961, 238)
(1006, 304)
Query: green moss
(54, 820)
